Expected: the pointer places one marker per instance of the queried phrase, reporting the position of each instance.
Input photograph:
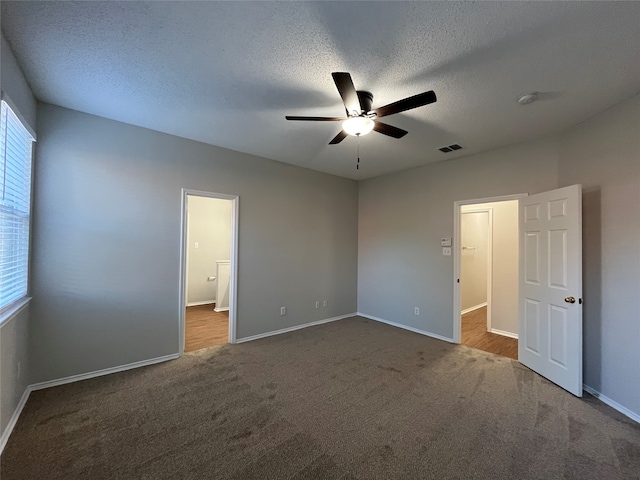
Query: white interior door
(550, 295)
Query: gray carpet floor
(353, 399)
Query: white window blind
(15, 206)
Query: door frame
(456, 247)
(233, 279)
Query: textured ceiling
(226, 73)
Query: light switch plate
(445, 242)
(446, 251)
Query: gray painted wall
(603, 154)
(403, 216)
(14, 363)
(107, 241)
(14, 332)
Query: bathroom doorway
(208, 273)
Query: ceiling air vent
(450, 148)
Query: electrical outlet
(324, 304)
(317, 304)
(283, 310)
(446, 251)
(196, 245)
(416, 311)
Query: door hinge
(580, 301)
(458, 280)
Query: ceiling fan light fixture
(357, 104)
(357, 126)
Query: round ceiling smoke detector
(528, 98)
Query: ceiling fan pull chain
(358, 164)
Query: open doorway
(208, 270)
(486, 272)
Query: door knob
(570, 300)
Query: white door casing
(550, 326)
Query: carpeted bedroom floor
(353, 399)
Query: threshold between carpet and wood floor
(474, 334)
(204, 327)
(354, 399)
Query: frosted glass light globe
(358, 125)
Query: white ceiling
(227, 73)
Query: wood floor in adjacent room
(205, 327)
(475, 335)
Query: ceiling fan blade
(347, 91)
(338, 138)
(389, 130)
(316, 119)
(406, 104)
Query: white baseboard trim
(471, 309)
(504, 333)
(204, 302)
(105, 371)
(221, 309)
(612, 403)
(14, 419)
(405, 327)
(291, 329)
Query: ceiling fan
(361, 119)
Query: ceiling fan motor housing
(366, 100)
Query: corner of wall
(16, 86)
(15, 374)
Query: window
(15, 206)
